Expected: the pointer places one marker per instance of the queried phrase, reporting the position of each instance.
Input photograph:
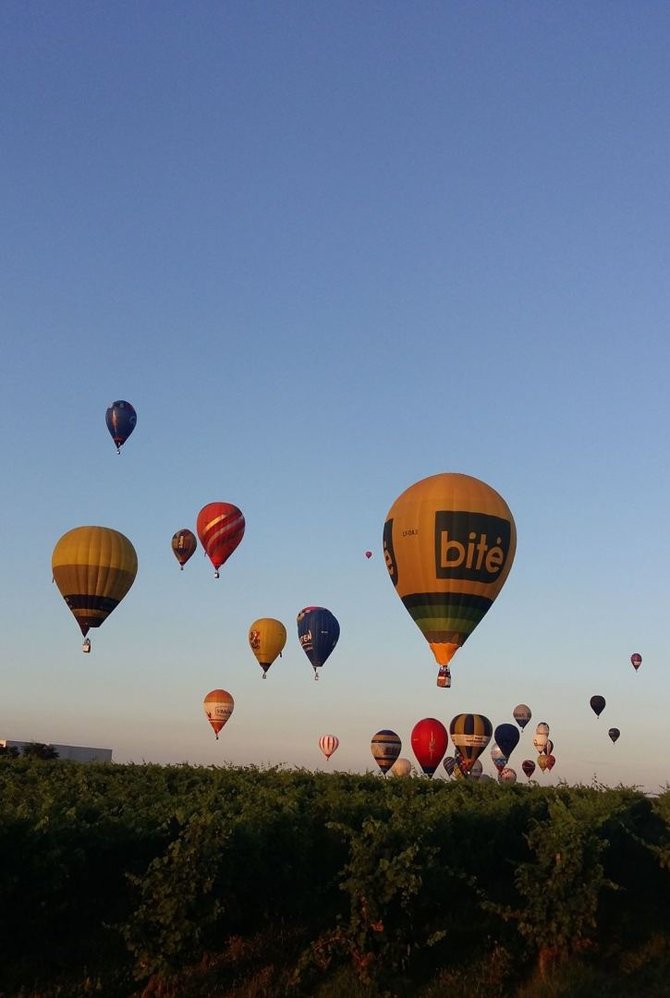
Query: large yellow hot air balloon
(93, 567)
(449, 542)
(267, 638)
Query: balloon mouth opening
(444, 651)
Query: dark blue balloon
(121, 419)
(506, 738)
(318, 631)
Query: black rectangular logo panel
(471, 546)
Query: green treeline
(186, 881)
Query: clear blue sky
(327, 250)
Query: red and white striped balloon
(220, 527)
(328, 744)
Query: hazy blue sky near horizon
(327, 250)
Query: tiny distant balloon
(636, 660)
(328, 744)
(184, 545)
(522, 714)
(528, 767)
(597, 704)
(614, 733)
(368, 554)
(401, 767)
(429, 743)
(220, 527)
(218, 706)
(121, 420)
(385, 747)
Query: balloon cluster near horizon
(449, 542)
(93, 567)
(470, 734)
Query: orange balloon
(218, 705)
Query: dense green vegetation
(186, 881)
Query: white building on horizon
(77, 753)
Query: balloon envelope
(218, 705)
(636, 660)
(385, 747)
(522, 714)
(507, 738)
(328, 744)
(368, 554)
(470, 734)
(449, 543)
(429, 743)
(528, 767)
(476, 770)
(121, 420)
(507, 775)
(543, 762)
(220, 527)
(449, 764)
(551, 762)
(184, 545)
(318, 632)
(614, 733)
(93, 567)
(401, 767)
(499, 758)
(597, 704)
(267, 638)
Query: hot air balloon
(183, 545)
(218, 705)
(543, 761)
(470, 734)
(220, 527)
(368, 554)
(541, 736)
(507, 775)
(507, 738)
(121, 420)
(499, 757)
(528, 767)
(614, 733)
(551, 762)
(93, 567)
(318, 631)
(328, 744)
(449, 764)
(636, 660)
(385, 747)
(597, 704)
(267, 638)
(549, 747)
(449, 542)
(401, 767)
(476, 770)
(429, 743)
(522, 714)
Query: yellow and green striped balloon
(449, 543)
